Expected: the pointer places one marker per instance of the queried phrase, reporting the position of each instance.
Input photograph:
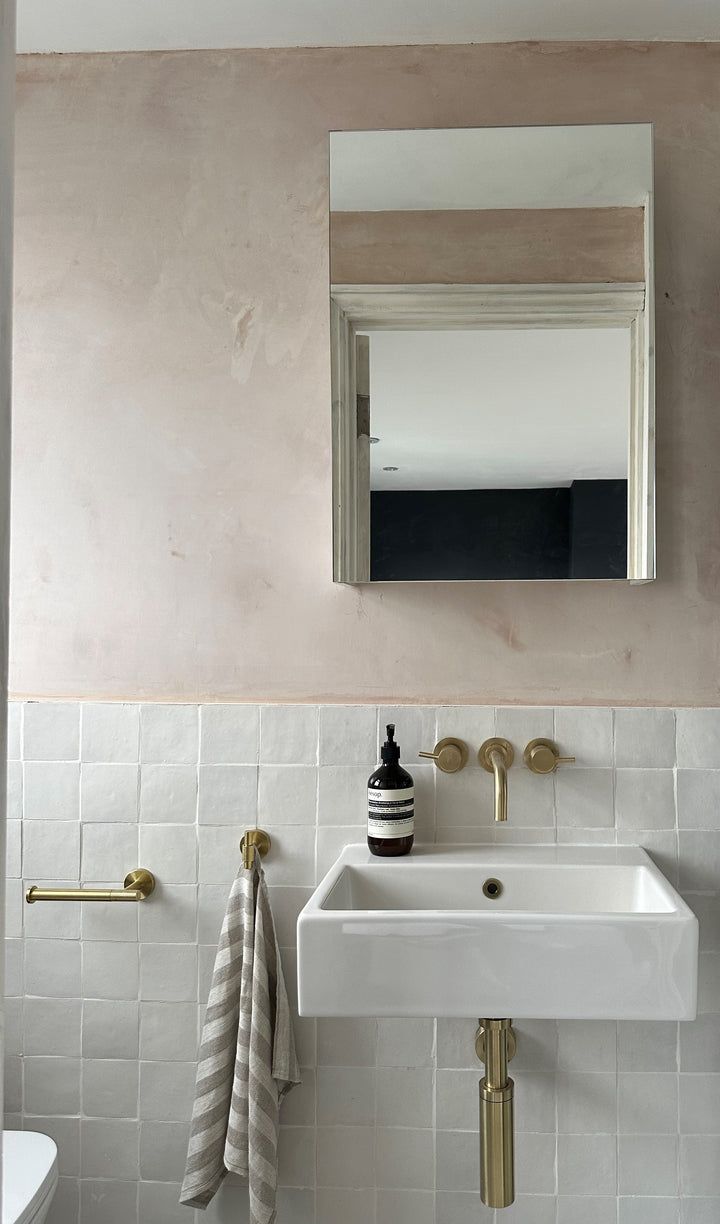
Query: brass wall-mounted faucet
(496, 756)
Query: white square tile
(584, 798)
(586, 1164)
(531, 800)
(706, 907)
(698, 739)
(647, 1045)
(172, 917)
(14, 798)
(109, 1088)
(13, 967)
(167, 1090)
(110, 970)
(109, 921)
(345, 1096)
(212, 906)
(644, 738)
(163, 1150)
(336, 1204)
(51, 791)
(109, 1148)
(66, 1133)
(648, 1103)
(159, 1203)
(219, 853)
(648, 1210)
(52, 1027)
(292, 857)
(107, 1202)
(169, 734)
(348, 736)
(700, 1164)
(110, 732)
(647, 1164)
(404, 1158)
(456, 1100)
(297, 1108)
(591, 1209)
(296, 1156)
(287, 794)
(330, 842)
(169, 793)
(110, 1028)
(698, 799)
(52, 1085)
(405, 1096)
(709, 983)
(51, 731)
(14, 848)
(286, 903)
(109, 793)
(645, 798)
(454, 1207)
(347, 1041)
(52, 968)
(168, 1032)
(699, 860)
(471, 723)
(537, 1045)
(288, 734)
(587, 1103)
(342, 795)
(168, 973)
(229, 734)
(109, 852)
(587, 1045)
(699, 1210)
(51, 849)
(227, 795)
(536, 1099)
(456, 1043)
(14, 908)
(585, 733)
(662, 846)
(457, 1162)
(405, 1042)
(700, 1044)
(700, 1104)
(535, 1164)
(14, 731)
(172, 851)
(345, 1156)
(520, 724)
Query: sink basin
(582, 933)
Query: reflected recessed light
(390, 469)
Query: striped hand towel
(247, 1060)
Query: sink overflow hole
(492, 889)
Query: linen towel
(247, 1061)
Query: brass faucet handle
(496, 745)
(542, 756)
(449, 754)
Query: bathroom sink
(559, 932)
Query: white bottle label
(391, 813)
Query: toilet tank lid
(29, 1171)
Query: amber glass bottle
(391, 803)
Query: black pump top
(390, 751)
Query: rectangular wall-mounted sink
(558, 932)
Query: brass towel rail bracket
(252, 840)
(138, 885)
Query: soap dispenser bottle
(391, 803)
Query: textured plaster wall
(172, 490)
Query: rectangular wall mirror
(492, 354)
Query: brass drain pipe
(495, 1046)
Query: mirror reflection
(492, 380)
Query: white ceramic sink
(575, 933)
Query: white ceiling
(499, 409)
(580, 166)
(136, 25)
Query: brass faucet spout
(496, 756)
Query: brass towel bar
(137, 886)
(252, 840)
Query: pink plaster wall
(172, 449)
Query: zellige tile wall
(617, 1123)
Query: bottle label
(391, 813)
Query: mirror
(492, 334)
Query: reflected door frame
(356, 308)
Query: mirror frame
(354, 308)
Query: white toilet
(29, 1176)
